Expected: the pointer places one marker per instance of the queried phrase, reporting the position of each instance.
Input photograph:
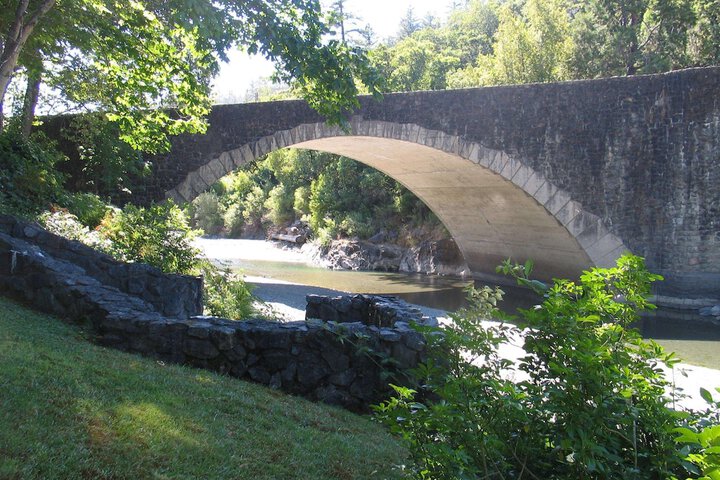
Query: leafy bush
(589, 403)
(106, 163)
(254, 203)
(65, 224)
(208, 213)
(301, 201)
(280, 205)
(158, 235)
(226, 294)
(29, 180)
(327, 233)
(234, 220)
(356, 224)
(700, 441)
(89, 208)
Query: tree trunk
(633, 49)
(30, 101)
(15, 38)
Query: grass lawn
(73, 410)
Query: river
(263, 263)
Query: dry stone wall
(173, 295)
(347, 363)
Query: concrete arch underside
(494, 206)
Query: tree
(704, 41)
(534, 47)
(417, 62)
(471, 30)
(409, 24)
(134, 60)
(351, 30)
(619, 37)
(17, 29)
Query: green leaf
(706, 395)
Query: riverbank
(286, 300)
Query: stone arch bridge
(568, 174)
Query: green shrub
(279, 205)
(29, 180)
(89, 208)
(65, 224)
(234, 220)
(326, 233)
(158, 235)
(254, 208)
(700, 440)
(207, 213)
(107, 163)
(226, 294)
(301, 201)
(589, 403)
(356, 224)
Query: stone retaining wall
(173, 295)
(347, 364)
(377, 310)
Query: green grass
(73, 410)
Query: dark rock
(343, 378)
(200, 348)
(238, 352)
(310, 373)
(259, 374)
(335, 358)
(223, 337)
(199, 330)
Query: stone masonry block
(521, 176)
(475, 152)
(510, 168)
(217, 169)
(464, 148)
(533, 183)
(486, 156)
(582, 221)
(175, 196)
(566, 214)
(609, 259)
(243, 155)
(606, 247)
(424, 137)
(227, 162)
(589, 232)
(557, 201)
(206, 175)
(185, 190)
(545, 192)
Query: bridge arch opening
(493, 205)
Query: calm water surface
(694, 341)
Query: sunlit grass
(70, 409)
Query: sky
(237, 76)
